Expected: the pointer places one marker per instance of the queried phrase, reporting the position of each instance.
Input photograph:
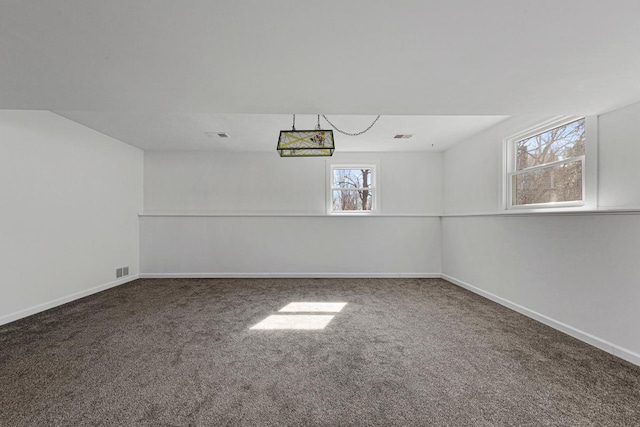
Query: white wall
(252, 183)
(70, 198)
(312, 246)
(575, 271)
(251, 214)
(619, 145)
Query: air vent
(122, 271)
(218, 134)
(402, 136)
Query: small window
(352, 188)
(546, 166)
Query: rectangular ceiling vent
(402, 136)
(218, 134)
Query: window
(546, 166)
(352, 189)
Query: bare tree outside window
(549, 166)
(352, 189)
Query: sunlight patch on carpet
(314, 307)
(294, 321)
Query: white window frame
(373, 186)
(588, 160)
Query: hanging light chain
(349, 133)
(293, 126)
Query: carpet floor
(404, 352)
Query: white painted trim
(63, 300)
(288, 275)
(547, 165)
(569, 212)
(604, 345)
(591, 171)
(543, 127)
(284, 215)
(618, 208)
(602, 210)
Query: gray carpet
(402, 352)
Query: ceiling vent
(402, 136)
(218, 134)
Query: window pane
(559, 183)
(561, 143)
(352, 178)
(352, 200)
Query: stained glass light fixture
(306, 143)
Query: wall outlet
(125, 271)
(118, 273)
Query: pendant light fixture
(305, 143)
(311, 143)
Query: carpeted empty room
(331, 213)
(399, 352)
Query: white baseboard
(59, 301)
(614, 349)
(288, 275)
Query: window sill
(354, 213)
(549, 207)
(551, 212)
(282, 214)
